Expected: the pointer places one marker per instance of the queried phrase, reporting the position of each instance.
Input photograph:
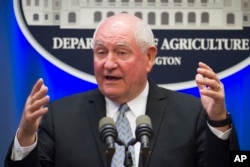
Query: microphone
(108, 132)
(144, 133)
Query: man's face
(120, 67)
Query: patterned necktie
(125, 134)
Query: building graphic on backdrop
(160, 14)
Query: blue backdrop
(21, 66)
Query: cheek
(97, 67)
(144, 66)
(97, 63)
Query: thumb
(199, 81)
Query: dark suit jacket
(68, 135)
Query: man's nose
(110, 62)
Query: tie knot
(123, 108)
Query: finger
(211, 83)
(37, 94)
(40, 94)
(217, 96)
(37, 86)
(215, 86)
(207, 72)
(31, 120)
(36, 105)
(206, 83)
(36, 116)
(205, 66)
(199, 81)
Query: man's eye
(100, 53)
(121, 53)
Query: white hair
(143, 35)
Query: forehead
(117, 31)
(116, 35)
(118, 27)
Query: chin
(113, 95)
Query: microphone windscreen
(143, 119)
(106, 121)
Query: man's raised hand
(33, 111)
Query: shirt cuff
(18, 152)
(220, 134)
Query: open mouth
(112, 78)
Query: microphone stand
(128, 161)
(109, 154)
(144, 152)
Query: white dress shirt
(135, 111)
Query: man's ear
(151, 54)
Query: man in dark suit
(188, 132)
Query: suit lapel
(96, 111)
(155, 109)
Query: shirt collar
(137, 110)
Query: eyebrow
(98, 43)
(123, 44)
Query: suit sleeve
(217, 150)
(42, 154)
(30, 161)
(213, 151)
